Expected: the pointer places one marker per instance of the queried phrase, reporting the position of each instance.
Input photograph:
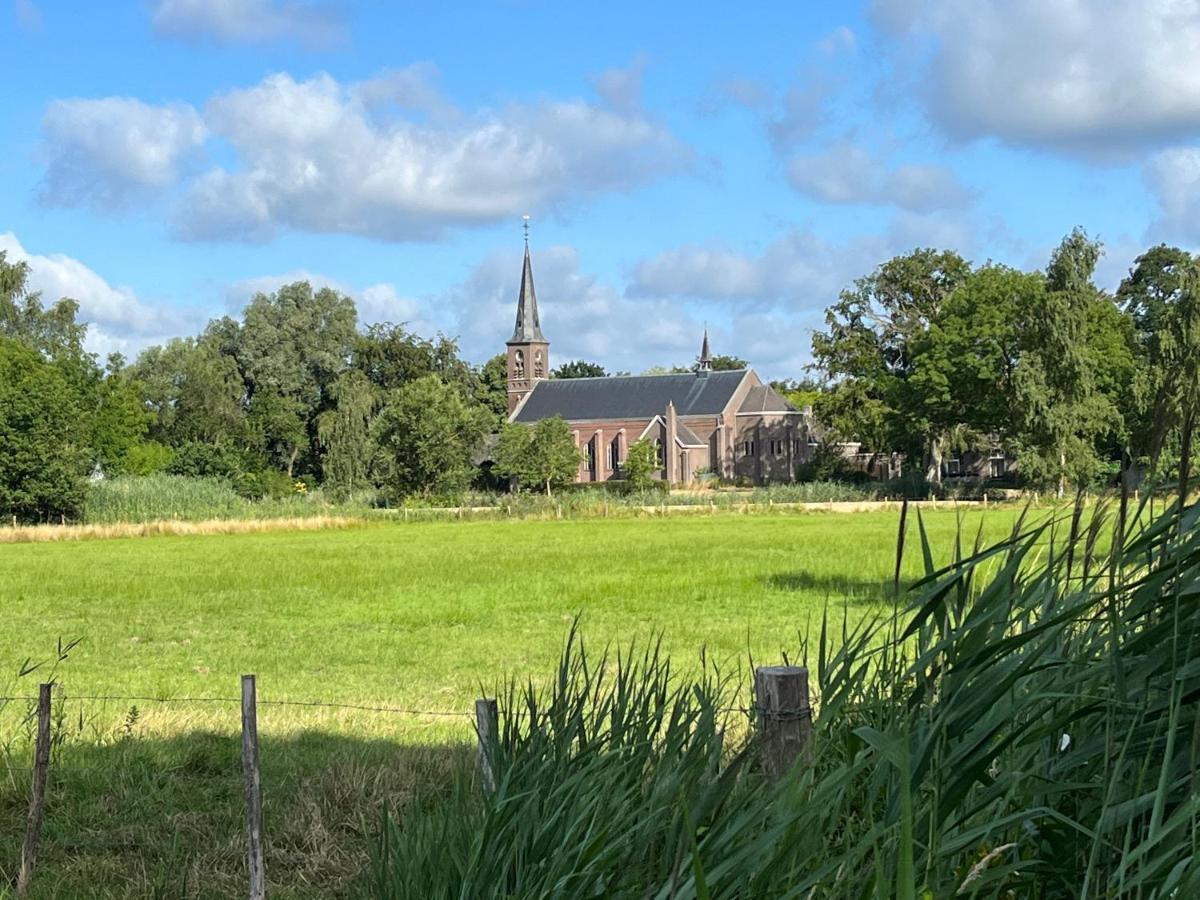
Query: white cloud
(315, 157)
(583, 316)
(250, 21)
(1099, 78)
(118, 321)
(1174, 178)
(108, 152)
(848, 173)
(621, 88)
(800, 270)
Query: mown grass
(424, 618)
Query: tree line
(292, 392)
(930, 355)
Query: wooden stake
(37, 803)
(487, 724)
(784, 717)
(253, 784)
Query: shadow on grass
(857, 591)
(163, 817)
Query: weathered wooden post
(487, 724)
(253, 786)
(784, 717)
(37, 803)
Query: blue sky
(683, 164)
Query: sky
(683, 165)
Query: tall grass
(160, 497)
(1027, 727)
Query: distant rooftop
(630, 396)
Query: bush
(147, 458)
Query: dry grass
(35, 534)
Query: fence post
(37, 803)
(487, 724)
(253, 784)
(784, 717)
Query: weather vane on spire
(526, 225)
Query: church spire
(528, 327)
(705, 353)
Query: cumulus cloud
(583, 316)
(118, 321)
(1174, 178)
(800, 269)
(1067, 74)
(316, 157)
(250, 21)
(106, 153)
(848, 173)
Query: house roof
(629, 396)
(684, 436)
(529, 327)
(763, 398)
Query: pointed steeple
(528, 328)
(705, 354)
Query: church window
(614, 460)
(519, 364)
(591, 455)
(748, 448)
(539, 370)
(659, 459)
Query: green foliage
(579, 368)
(120, 420)
(43, 437)
(493, 385)
(345, 435)
(972, 747)
(544, 455)
(877, 333)
(827, 463)
(640, 465)
(147, 458)
(725, 363)
(428, 435)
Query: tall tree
(869, 352)
(43, 437)
(428, 434)
(345, 432)
(292, 346)
(1162, 296)
(544, 455)
(1072, 350)
(578, 368)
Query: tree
(428, 434)
(43, 437)
(876, 332)
(1070, 364)
(544, 455)
(800, 392)
(493, 385)
(640, 465)
(344, 432)
(291, 347)
(578, 368)
(120, 420)
(1162, 297)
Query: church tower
(528, 349)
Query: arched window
(539, 370)
(659, 459)
(519, 364)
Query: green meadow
(145, 799)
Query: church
(723, 424)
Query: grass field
(422, 617)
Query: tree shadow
(857, 591)
(164, 816)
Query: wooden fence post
(487, 724)
(784, 717)
(37, 803)
(253, 784)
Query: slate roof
(686, 436)
(529, 327)
(630, 396)
(763, 398)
